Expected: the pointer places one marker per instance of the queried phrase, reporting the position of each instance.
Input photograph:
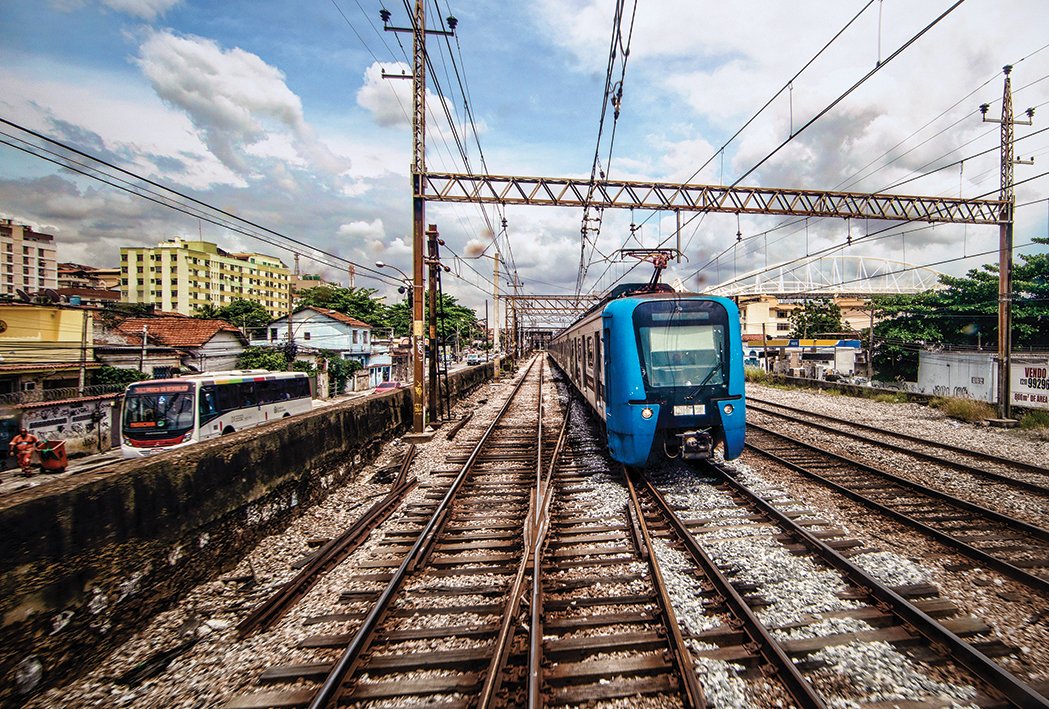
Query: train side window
(598, 378)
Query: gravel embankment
(1018, 616)
(218, 666)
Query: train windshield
(682, 343)
(159, 409)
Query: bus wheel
(285, 416)
(227, 430)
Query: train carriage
(663, 369)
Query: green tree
(358, 303)
(452, 318)
(245, 314)
(207, 311)
(815, 317)
(241, 312)
(118, 375)
(964, 313)
(339, 370)
(271, 358)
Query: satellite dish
(52, 295)
(22, 295)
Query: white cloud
(388, 100)
(148, 10)
(363, 231)
(233, 97)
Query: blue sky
(275, 112)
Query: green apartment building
(181, 276)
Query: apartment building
(27, 259)
(181, 276)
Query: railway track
(531, 572)
(1013, 474)
(922, 626)
(423, 619)
(1011, 546)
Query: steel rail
(1017, 524)
(1013, 572)
(692, 690)
(497, 664)
(331, 554)
(956, 465)
(329, 690)
(796, 685)
(999, 679)
(535, 640)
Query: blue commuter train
(663, 369)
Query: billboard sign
(1029, 385)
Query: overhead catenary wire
(830, 106)
(152, 183)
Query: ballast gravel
(218, 667)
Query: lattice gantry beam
(569, 192)
(551, 311)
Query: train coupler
(695, 445)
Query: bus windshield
(154, 409)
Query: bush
(964, 409)
(118, 376)
(890, 398)
(1035, 419)
(755, 374)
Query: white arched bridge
(833, 275)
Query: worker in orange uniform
(23, 446)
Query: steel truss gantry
(628, 194)
(550, 311)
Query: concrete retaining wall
(87, 560)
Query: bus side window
(264, 392)
(208, 405)
(247, 394)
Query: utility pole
(433, 261)
(142, 353)
(870, 346)
(291, 315)
(85, 314)
(517, 283)
(418, 31)
(495, 314)
(1005, 240)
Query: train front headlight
(729, 408)
(646, 413)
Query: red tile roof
(99, 293)
(176, 331)
(341, 317)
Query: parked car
(472, 359)
(387, 386)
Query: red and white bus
(162, 414)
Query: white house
(326, 329)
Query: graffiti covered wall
(84, 424)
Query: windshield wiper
(711, 373)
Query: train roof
(628, 290)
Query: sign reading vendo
(1030, 383)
